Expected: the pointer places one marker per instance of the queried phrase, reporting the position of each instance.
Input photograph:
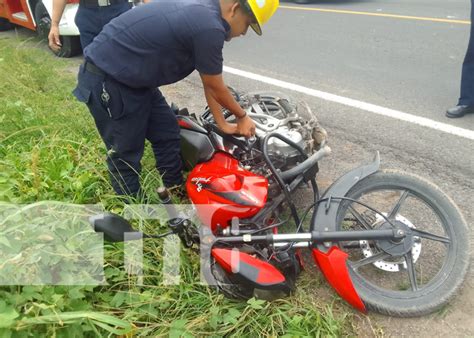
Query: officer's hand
(53, 39)
(246, 126)
(228, 128)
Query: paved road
(407, 64)
(404, 64)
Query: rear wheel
(286, 262)
(71, 45)
(423, 272)
(226, 283)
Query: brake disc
(392, 265)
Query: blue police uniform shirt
(161, 42)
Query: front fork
(332, 262)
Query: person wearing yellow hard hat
(241, 14)
(261, 10)
(156, 44)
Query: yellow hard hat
(262, 11)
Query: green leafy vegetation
(50, 150)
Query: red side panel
(255, 270)
(15, 6)
(334, 267)
(10, 7)
(3, 9)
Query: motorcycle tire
(227, 284)
(416, 297)
(232, 288)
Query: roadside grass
(50, 150)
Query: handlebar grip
(307, 164)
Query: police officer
(466, 100)
(91, 17)
(156, 44)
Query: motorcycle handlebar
(310, 162)
(239, 140)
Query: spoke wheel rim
(435, 281)
(386, 265)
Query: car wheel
(71, 45)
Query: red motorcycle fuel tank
(221, 190)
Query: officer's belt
(101, 3)
(92, 68)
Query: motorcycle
(386, 241)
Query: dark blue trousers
(91, 20)
(131, 116)
(467, 77)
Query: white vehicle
(36, 15)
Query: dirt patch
(455, 320)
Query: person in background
(91, 17)
(466, 101)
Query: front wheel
(419, 274)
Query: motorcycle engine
(276, 113)
(280, 148)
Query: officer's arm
(217, 96)
(215, 89)
(53, 37)
(58, 10)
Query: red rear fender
(261, 274)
